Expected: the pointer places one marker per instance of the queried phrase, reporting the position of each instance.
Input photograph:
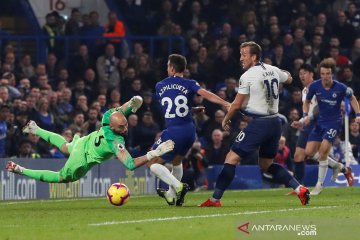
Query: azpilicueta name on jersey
(173, 86)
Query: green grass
(336, 214)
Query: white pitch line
(204, 216)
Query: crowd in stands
(70, 95)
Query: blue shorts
(326, 131)
(262, 134)
(183, 136)
(304, 134)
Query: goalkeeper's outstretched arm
(130, 106)
(131, 163)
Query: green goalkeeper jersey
(104, 143)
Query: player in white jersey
(306, 74)
(259, 86)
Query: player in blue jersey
(306, 73)
(259, 92)
(175, 94)
(329, 95)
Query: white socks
(177, 172)
(323, 167)
(164, 174)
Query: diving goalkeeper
(95, 148)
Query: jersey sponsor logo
(121, 147)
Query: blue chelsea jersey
(175, 95)
(329, 100)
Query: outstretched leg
(224, 179)
(75, 168)
(282, 176)
(165, 175)
(42, 175)
(53, 138)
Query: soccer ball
(118, 194)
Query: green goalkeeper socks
(42, 175)
(128, 110)
(53, 138)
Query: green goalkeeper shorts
(76, 166)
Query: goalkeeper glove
(135, 103)
(163, 148)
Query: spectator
(354, 139)
(26, 150)
(92, 123)
(65, 107)
(341, 60)
(279, 59)
(43, 116)
(138, 52)
(136, 88)
(115, 97)
(50, 30)
(24, 87)
(144, 71)
(339, 149)
(283, 156)
(114, 28)
(81, 89)
(26, 69)
(353, 16)
(147, 131)
(76, 125)
(81, 62)
(90, 31)
(90, 79)
(202, 34)
(81, 104)
(72, 28)
(344, 31)
(308, 55)
(216, 151)
(194, 165)
(226, 66)
(318, 47)
(106, 66)
(153, 106)
(4, 95)
(4, 115)
(291, 134)
(355, 51)
(133, 135)
(103, 103)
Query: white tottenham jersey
(313, 103)
(261, 83)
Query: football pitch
(264, 214)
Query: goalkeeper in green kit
(95, 148)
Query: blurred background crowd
(100, 69)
